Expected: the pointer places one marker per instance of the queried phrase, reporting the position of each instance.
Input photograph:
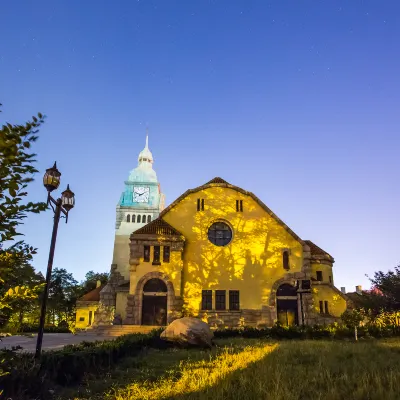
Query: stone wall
(232, 319)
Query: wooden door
(154, 310)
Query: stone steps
(119, 330)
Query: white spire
(147, 138)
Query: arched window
(133, 218)
(286, 290)
(138, 219)
(285, 259)
(148, 218)
(155, 285)
(128, 218)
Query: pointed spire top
(147, 139)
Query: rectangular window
(146, 254)
(319, 276)
(156, 257)
(81, 318)
(220, 300)
(239, 205)
(202, 204)
(198, 204)
(285, 259)
(166, 253)
(206, 300)
(326, 307)
(234, 300)
(330, 279)
(321, 307)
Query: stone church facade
(217, 253)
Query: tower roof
(144, 172)
(145, 155)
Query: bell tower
(140, 203)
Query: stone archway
(138, 296)
(287, 305)
(272, 303)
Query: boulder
(188, 331)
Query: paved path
(51, 341)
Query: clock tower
(140, 203)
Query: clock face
(141, 194)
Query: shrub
(70, 365)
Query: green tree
(353, 319)
(16, 172)
(388, 285)
(91, 279)
(62, 295)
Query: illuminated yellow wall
(336, 303)
(325, 269)
(172, 269)
(251, 263)
(82, 311)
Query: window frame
(166, 254)
(319, 275)
(286, 259)
(326, 307)
(128, 218)
(227, 234)
(156, 255)
(234, 300)
(146, 253)
(220, 300)
(321, 307)
(206, 300)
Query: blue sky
(296, 101)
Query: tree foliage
(91, 279)
(16, 171)
(388, 285)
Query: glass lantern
(68, 199)
(51, 179)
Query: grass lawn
(255, 369)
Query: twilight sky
(296, 101)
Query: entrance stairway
(119, 330)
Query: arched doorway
(286, 305)
(154, 305)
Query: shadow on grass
(311, 370)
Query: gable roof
(219, 182)
(93, 295)
(158, 227)
(316, 250)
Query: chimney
(343, 290)
(98, 284)
(359, 289)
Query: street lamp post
(51, 181)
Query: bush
(334, 331)
(31, 328)
(24, 375)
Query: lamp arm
(52, 202)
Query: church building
(217, 253)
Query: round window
(220, 234)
